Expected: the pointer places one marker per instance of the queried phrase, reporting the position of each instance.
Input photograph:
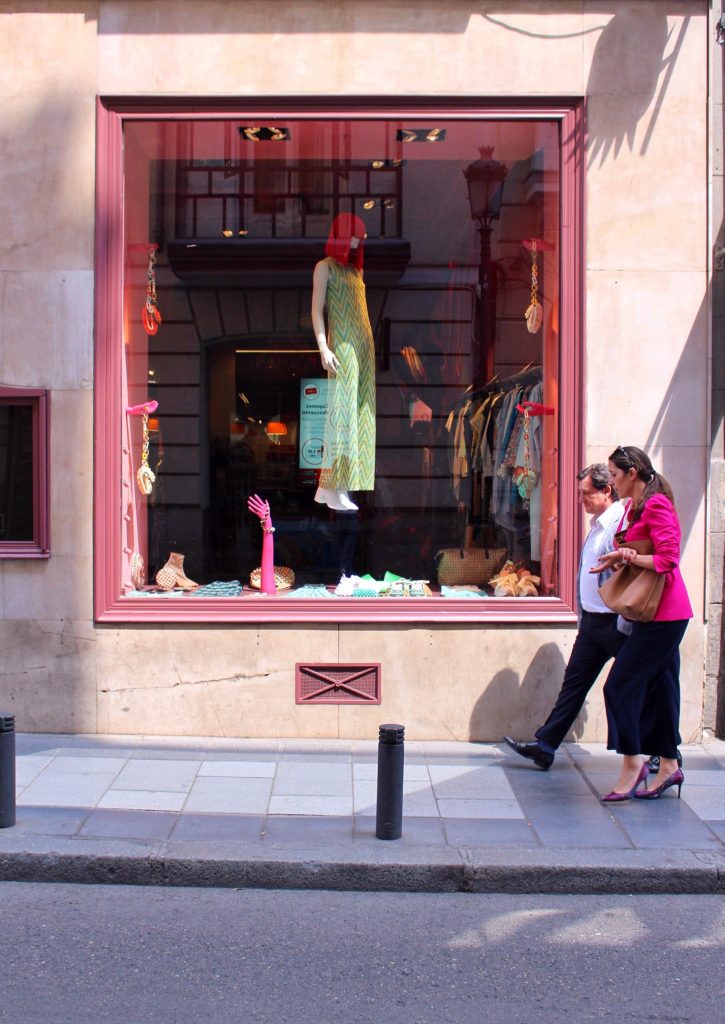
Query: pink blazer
(660, 524)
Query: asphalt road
(123, 955)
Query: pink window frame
(39, 546)
(109, 606)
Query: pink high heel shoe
(615, 797)
(676, 779)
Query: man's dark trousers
(597, 641)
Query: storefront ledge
(503, 871)
(259, 609)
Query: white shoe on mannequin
(337, 500)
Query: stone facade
(643, 69)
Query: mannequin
(348, 355)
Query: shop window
(24, 519)
(413, 465)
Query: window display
(351, 324)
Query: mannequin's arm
(319, 290)
(261, 508)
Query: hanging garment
(461, 447)
(350, 428)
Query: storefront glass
(425, 462)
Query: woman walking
(642, 691)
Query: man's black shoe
(654, 762)
(541, 758)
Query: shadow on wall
(518, 705)
(624, 79)
(668, 420)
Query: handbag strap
(624, 516)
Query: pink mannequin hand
(258, 507)
(536, 409)
(261, 508)
(144, 408)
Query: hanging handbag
(634, 593)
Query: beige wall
(643, 67)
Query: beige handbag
(468, 566)
(634, 593)
(284, 577)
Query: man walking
(598, 639)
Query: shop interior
(225, 221)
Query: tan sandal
(526, 584)
(504, 585)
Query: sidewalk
(301, 813)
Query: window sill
(260, 609)
(22, 549)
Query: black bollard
(7, 770)
(391, 757)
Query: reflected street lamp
(485, 181)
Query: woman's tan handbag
(634, 593)
(468, 566)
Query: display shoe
(339, 501)
(175, 565)
(527, 585)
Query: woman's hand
(330, 362)
(613, 560)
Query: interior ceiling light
(389, 204)
(265, 133)
(275, 431)
(377, 164)
(421, 134)
(243, 231)
(368, 204)
(227, 232)
(243, 397)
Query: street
(123, 955)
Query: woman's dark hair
(628, 457)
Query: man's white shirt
(600, 539)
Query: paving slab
(196, 811)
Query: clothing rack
(530, 375)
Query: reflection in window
(461, 291)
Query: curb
(496, 876)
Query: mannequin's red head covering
(344, 227)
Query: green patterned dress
(350, 428)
